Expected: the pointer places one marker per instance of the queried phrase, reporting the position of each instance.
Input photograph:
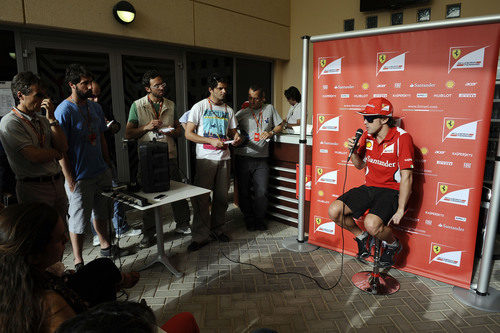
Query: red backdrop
(441, 83)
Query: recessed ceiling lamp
(124, 12)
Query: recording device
(359, 133)
(129, 198)
(43, 111)
(154, 168)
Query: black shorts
(381, 201)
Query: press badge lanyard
(258, 121)
(88, 121)
(39, 134)
(156, 114)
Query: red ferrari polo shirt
(385, 160)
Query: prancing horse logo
(443, 188)
(456, 53)
(322, 62)
(450, 124)
(382, 58)
(436, 249)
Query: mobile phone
(160, 196)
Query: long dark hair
(25, 230)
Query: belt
(41, 179)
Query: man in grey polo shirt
(258, 123)
(33, 144)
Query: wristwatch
(55, 123)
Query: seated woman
(32, 239)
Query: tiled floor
(230, 297)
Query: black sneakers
(390, 251)
(364, 247)
(114, 251)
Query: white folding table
(178, 191)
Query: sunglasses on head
(370, 119)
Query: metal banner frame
(487, 297)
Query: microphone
(359, 132)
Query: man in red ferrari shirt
(386, 152)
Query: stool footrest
(375, 283)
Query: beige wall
(259, 27)
(316, 17)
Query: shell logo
(365, 85)
(424, 150)
(368, 144)
(450, 84)
(321, 193)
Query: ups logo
(456, 53)
(436, 249)
(321, 119)
(443, 188)
(382, 58)
(322, 62)
(318, 220)
(450, 124)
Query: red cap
(378, 107)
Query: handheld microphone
(359, 133)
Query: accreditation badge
(256, 137)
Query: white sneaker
(183, 230)
(130, 233)
(95, 241)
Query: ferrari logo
(382, 58)
(443, 188)
(320, 171)
(450, 124)
(318, 220)
(322, 62)
(456, 53)
(436, 249)
(321, 119)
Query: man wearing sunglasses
(386, 152)
(34, 143)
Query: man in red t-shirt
(386, 152)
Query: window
(453, 11)
(349, 25)
(424, 15)
(396, 18)
(371, 22)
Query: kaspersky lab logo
(459, 128)
(327, 122)
(325, 175)
(452, 194)
(323, 224)
(393, 61)
(462, 57)
(445, 254)
(329, 66)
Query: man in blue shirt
(86, 164)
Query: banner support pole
(298, 244)
(485, 298)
